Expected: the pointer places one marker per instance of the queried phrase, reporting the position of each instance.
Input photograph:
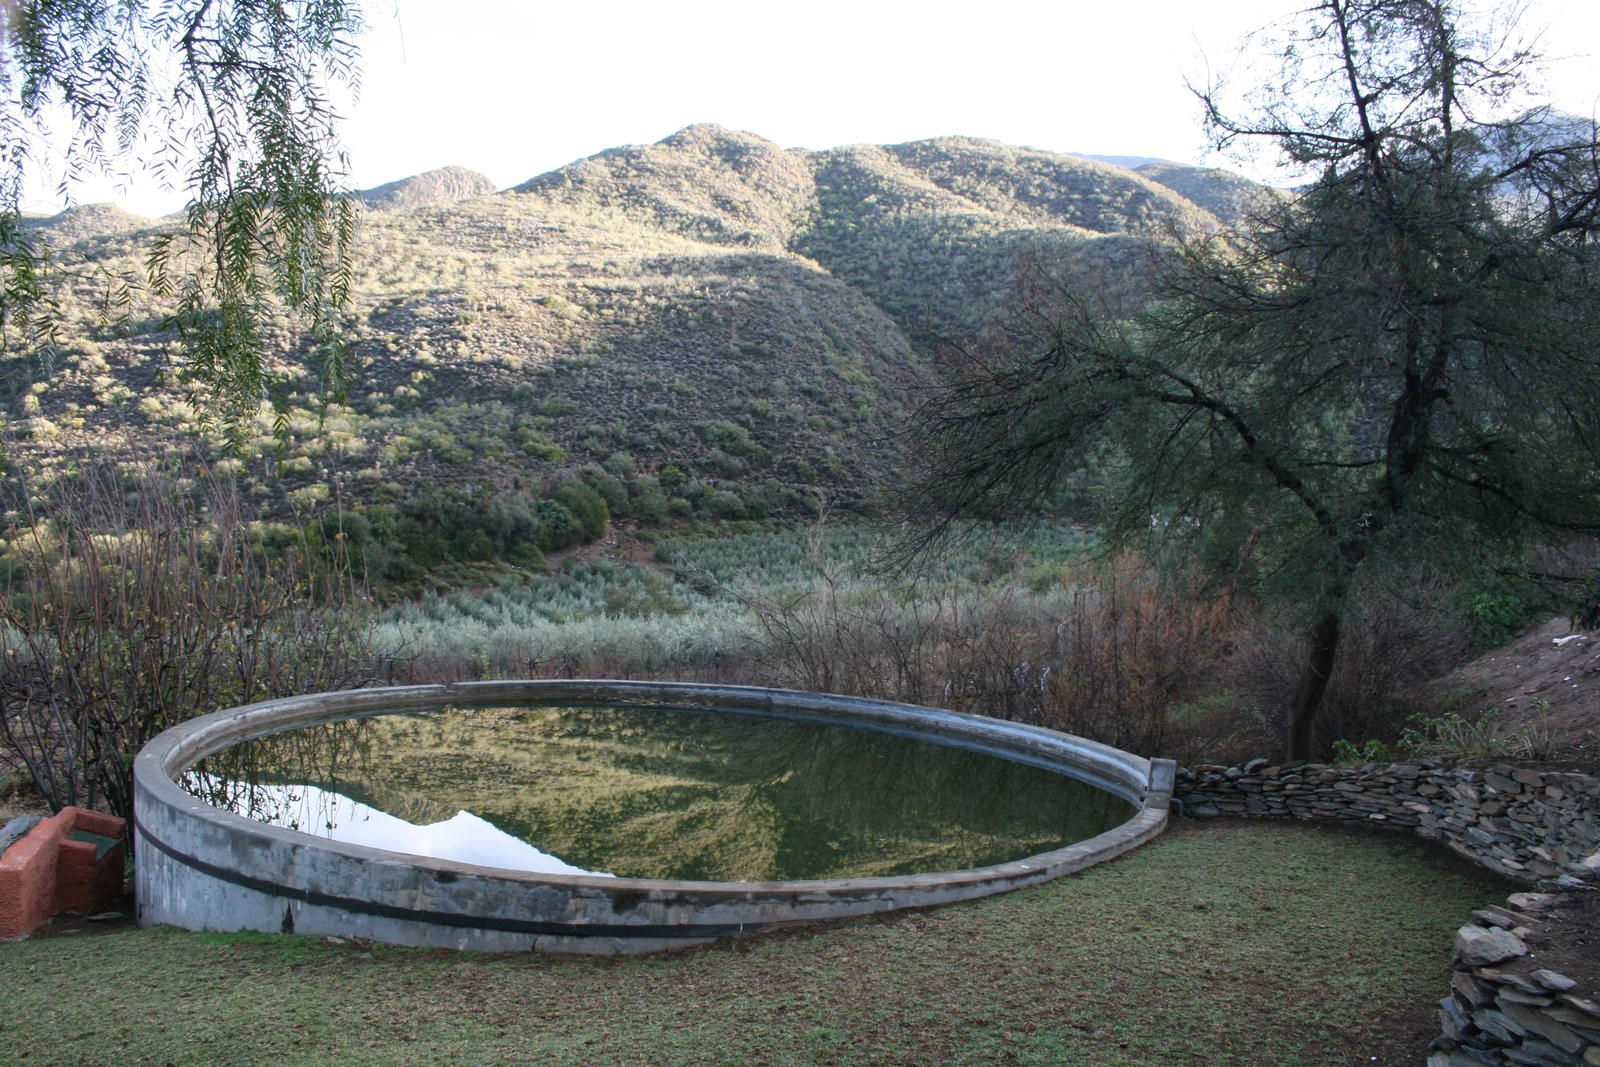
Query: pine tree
(1400, 363)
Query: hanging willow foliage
(230, 100)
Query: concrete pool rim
(201, 867)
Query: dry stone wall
(1527, 824)
(1503, 1007)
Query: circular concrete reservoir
(610, 817)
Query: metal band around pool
(204, 868)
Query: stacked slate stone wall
(1527, 824)
(1531, 825)
(1504, 1008)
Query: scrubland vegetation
(132, 603)
(1037, 625)
(727, 327)
(697, 610)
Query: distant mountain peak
(709, 133)
(432, 188)
(90, 220)
(706, 181)
(1230, 197)
(1127, 162)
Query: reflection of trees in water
(334, 757)
(866, 802)
(671, 792)
(839, 800)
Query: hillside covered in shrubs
(710, 326)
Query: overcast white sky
(513, 88)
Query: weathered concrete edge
(204, 868)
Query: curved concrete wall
(203, 868)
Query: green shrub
(611, 490)
(587, 505)
(725, 505)
(722, 463)
(559, 527)
(1496, 608)
(539, 446)
(1374, 751)
(732, 438)
(554, 406)
(471, 543)
(651, 506)
(526, 554)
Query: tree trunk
(1321, 645)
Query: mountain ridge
(717, 325)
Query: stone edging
(1503, 1008)
(1525, 824)
(1530, 825)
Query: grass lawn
(1218, 943)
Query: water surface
(653, 792)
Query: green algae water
(653, 792)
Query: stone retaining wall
(1505, 1009)
(1525, 824)
(1531, 825)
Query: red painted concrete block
(28, 877)
(72, 861)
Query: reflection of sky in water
(463, 838)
